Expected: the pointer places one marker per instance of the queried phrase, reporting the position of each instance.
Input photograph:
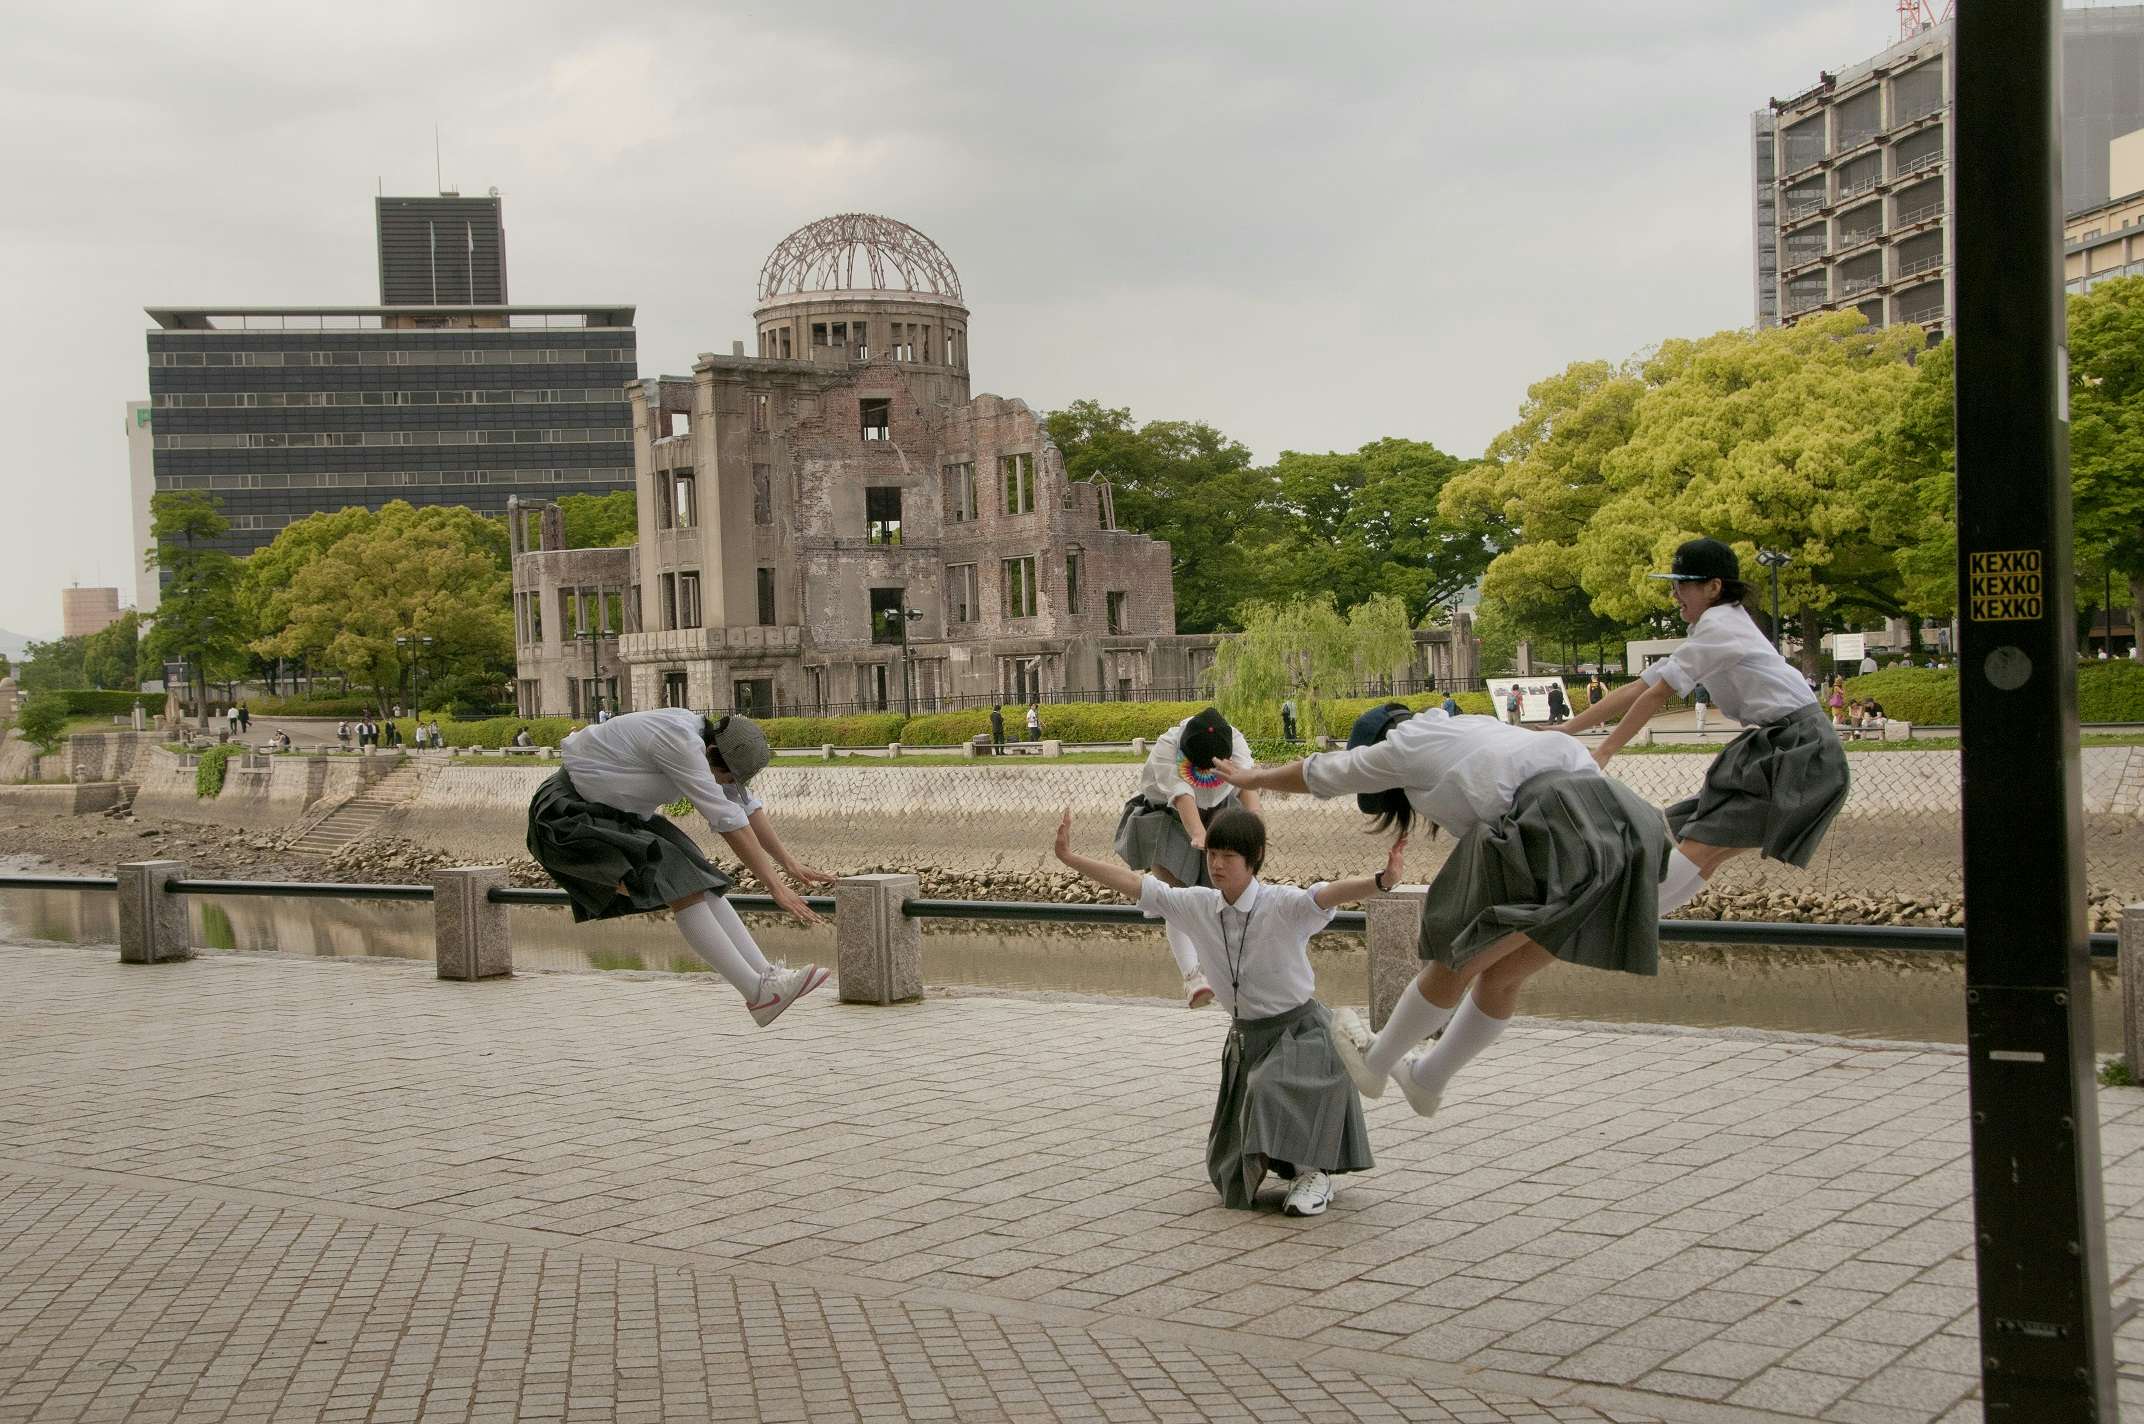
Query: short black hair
(1241, 831)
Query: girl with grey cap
(1776, 787)
(1163, 828)
(597, 827)
(1554, 861)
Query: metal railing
(1790, 935)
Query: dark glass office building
(446, 249)
(281, 413)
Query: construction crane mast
(1915, 16)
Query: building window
(766, 598)
(877, 419)
(1019, 471)
(688, 504)
(961, 604)
(1115, 600)
(882, 514)
(673, 686)
(752, 696)
(762, 494)
(688, 600)
(886, 604)
(665, 499)
(535, 618)
(669, 596)
(1020, 587)
(1072, 563)
(960, 493)
(863, 341)
(759, 412)
(818, 333)
(632, 608)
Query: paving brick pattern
(250, 1188)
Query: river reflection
(1897, 996)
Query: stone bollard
(968, 750)
(153, 928)
(471, 938)
(1897, 731)
(878, 950)
(1053, 748)
(893, 750)
(1394, 924)
(2129, 964)
(1139, 746)
(1644, 737)
(826, 751)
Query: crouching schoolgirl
(1286, 1105)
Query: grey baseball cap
(741, 745)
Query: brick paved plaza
(247, 1188)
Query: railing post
(878, 950)
(2129, 964)
(1393, 927)
(153, 928)
(472, 938)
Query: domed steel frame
(824, 256)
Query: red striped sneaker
(783, 987)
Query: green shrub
(352, 706)
(494, 732)
(2106, 692)
(863, 729)
(41, 718)
(208, 772)
(95, 702)
(2111, 691)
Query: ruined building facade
(802, 506)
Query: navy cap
(1371, 728)
(1207, 739)
(1700, 559)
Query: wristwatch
(1379, 881)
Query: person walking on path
(1287, 719)
(1513, 704)
(230, 720)
(596, 826)
(1034, 723)
(1555, 861)
(1162, 830)
(245, 718)
(1595, 689)
(1451, 705)
(1777, 786)
(1558, 709)
(997, 729)
(1699, 697)
(1285, 1105)
(342, 734)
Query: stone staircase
(361, 815)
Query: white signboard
(1849, 647)
(1533, 697)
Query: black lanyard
(1234, 960)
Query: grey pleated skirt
(1286, 1105)
(1151, 837)
(1575, 865)
(591, 849)
(1775, 788)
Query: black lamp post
(595, 697)
(904, 615)
(1775, 560)
(416, 645)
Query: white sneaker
(1351, 1040)
(1310, 1194)
(1421, 1099)
(782, 987)
(1197, 992)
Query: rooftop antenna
(439, 183)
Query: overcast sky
(1309, 225)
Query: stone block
(1053, 748)
(970, 748)
(1897, 731)
(893, 749)
(1394, 925)
(152, 921)
(878, 950)
(471, 935)
(2130, 967)
(826, 751)
(1139, 746)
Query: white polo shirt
(1264, 935)
(1458, 772)
(642, 761)
(1748, 679)
(1161, 781)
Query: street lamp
(416, 645)
(905, 615)
(593, 710)
(1775, 560)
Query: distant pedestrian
(1595, 689)
(1513, 703)
(245, 718)
(1558, 708)
(1034, 723)
(342, 734)
(1451, 705)
(230, 719)
(394, 732)
(1699, 698)
(1287, 719)
(997, 729)
(602, 715)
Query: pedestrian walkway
(252, 1188)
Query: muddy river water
(1917, 997)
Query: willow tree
(1307, 651)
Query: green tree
(197, 617)
(57, 664)
(111, 656)
(1381, 640)
(600, 521)
(1300, 648)
(267, 582)
(2106, 333)
(1367, 522)
(1184, 482)
(405, 573)
(41, 719)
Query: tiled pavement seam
(1651, 1221)
(125, 1301)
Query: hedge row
(493, 732)
(95, 702)
(2106, 692)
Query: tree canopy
(197, 617)
(600, 521)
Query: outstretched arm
(1643, 708)
(798, 870)
(1343, 892)
(1608, 709)
(1122, 879)
(1187, 814)
(747, 848)
(1288, 776)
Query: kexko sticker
(2006, 586)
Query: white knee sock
(733, 925)
(1682, 884)
(1414, 1018)
(1469, 1032)
(697, 923)
(1181, 949)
